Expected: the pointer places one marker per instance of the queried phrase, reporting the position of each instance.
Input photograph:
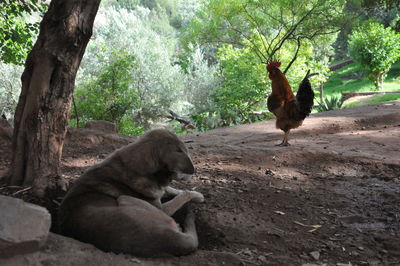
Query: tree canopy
(18, 27)
(266, 26)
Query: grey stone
(315, 255)
(23, 226)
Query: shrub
(110, 95)
(330, 103)
(143, 36)
(375, 48)
(244, 84)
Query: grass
(373, 99)
(384, 98)
(350, 79)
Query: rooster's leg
(285, 141)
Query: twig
(294, 57)
(21, 191)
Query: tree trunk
(48, 80)
(378, 80)
(321, 93)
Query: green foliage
(348, 79)
(157, 81)
(330, 103)
(241, 89)
(375, 48)
(10, 87)
(110, 95)
(186, 11)
(245, 34)
(245, 85)
(215, 118)
(166, 8)
(201, 80)
(358, 11)
(18, 28)
(265, 26)
(118, 4)
(244, 82)
(129, 127)
(384, 98)
(160, 83)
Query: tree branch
(294, 57)
(259, 54)
(290, 32)
(258, 28)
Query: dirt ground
(331, 198)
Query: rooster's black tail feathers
(305, 97)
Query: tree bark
(42, 112)
(321, 92)
(378, 82)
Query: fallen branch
(186, 124)
(21, 191)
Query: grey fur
(116, 204)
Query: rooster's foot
(283, 144)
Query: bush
(110, 95)
(375, 48)
(162, 82)
(201, 80)
(244, 85)
(158, 82)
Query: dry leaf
(314, 227)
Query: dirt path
(341, 174)
(332, 197)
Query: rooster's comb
(273, 64)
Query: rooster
(290, 110)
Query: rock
(315, 255)
(87, 138)
(101, 125)
(262, 258)
(23, 226)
